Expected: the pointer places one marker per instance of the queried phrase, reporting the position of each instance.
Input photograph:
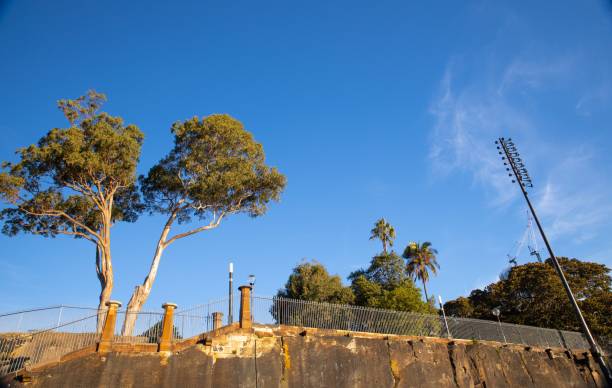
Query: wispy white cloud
(595, 99)
(466, 124)
(527, 75)
(573, 198)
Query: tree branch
(86, 191)
(58, 213)
(213, 224)
(66, 232)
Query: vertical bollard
(165, 340)
(108, 330)
(245, 307)
(217, 320)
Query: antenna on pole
(230, 307)
(515, 167)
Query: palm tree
(384, 232)
(421, 259)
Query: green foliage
(215, 168)
(532, 294)
(154, 332)
(384, 232)
(311, 281)
(460, 307)
(383, 285)
(386, 284)
(65, 182)
(421, 260)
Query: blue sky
(387, 109)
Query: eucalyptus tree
(76, 181)
(421, 259)
(384, 232)
(214, 170)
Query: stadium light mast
(516, 169)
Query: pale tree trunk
(141, 292)
(104, 266)
(104, 271)
(425, 290)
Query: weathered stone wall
(292, 357)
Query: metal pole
(501, 329)
(585, 328)
(230, 316)
(59, 318)
(444, 315)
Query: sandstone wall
(292, 357)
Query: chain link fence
(292, 312)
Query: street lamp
(251, 280)
(252, 284)
(497, 312)
(516, 169)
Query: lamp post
(252, 284)
(497, 312)
(518, 172)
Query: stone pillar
(245, 307)
(165, 340)
(108, 331)
(217, 320)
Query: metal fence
(147, 327)
(37, 336)
(196, 320)
(292, 312)
(21, 349)
(38, 319)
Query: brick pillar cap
(218, 312)
(241, 287)
(114, 303)
(169, 304)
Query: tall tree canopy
(421, 260)
(386, 284)
(384, 232)
(532, 294)
(311, 281)
(76, 181)
(215, 169)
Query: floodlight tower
(516, 169)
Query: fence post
(165, 340)
(245, 307)
(59, 317)
(217, 320)
(108, 330)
